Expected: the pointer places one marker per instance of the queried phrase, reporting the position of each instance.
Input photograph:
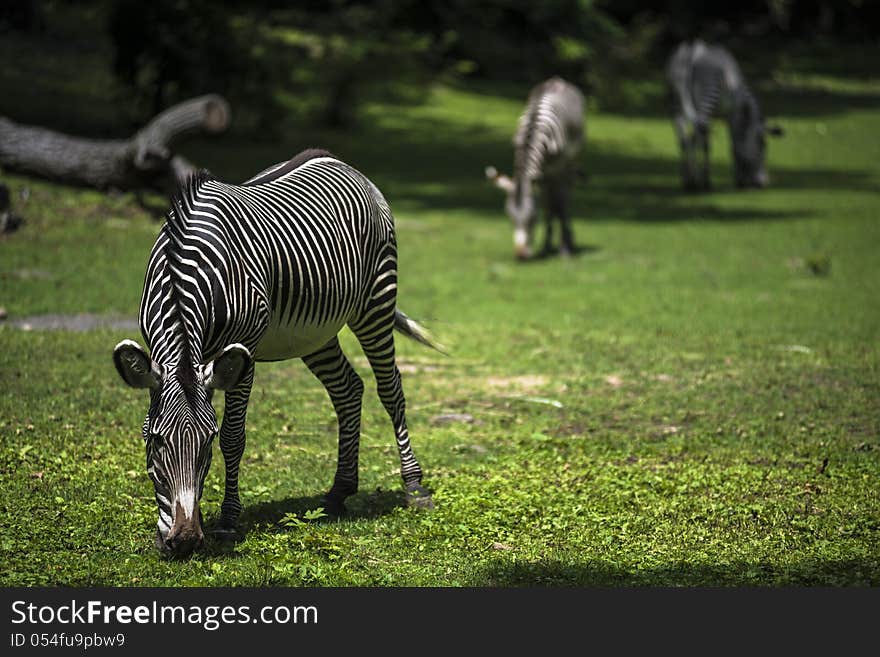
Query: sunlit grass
(688, 401)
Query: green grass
(715, 403)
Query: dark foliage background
(318, 61)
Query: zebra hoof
(224, 532)
(419, 497)
(334, 507)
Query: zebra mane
(183, 197)
(182, 203)
(528, 134)
(186, 372)
(525, 139)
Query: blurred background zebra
(547, 144)
(706, 80)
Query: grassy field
(694, 399)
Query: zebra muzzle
(186, 533)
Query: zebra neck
(745, 109)
(529, 159)
(522, 188)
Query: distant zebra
(268, 270)
(547, 145)
(706, 79)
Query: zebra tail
(412, 329)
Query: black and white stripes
(268, 270)
(706, 81)
(547, 144)
(551, 124)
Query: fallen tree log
(146, 160)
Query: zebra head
(520, 207)
(179, 430)
(749, 144)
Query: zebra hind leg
(702, 143)
(346, 389)
(566, 245)
(378, 346)
(558, 208)
(548, 223)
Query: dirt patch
(411, 368)
(451, 418)
(28, 274)
(525, 383)
(405, 366)
(78, 322)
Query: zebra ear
(134, 366)
(228, 369)
(774, 130)
(499, 179)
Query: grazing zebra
(547, 144)
(268, 270)
(706, 79)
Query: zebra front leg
(686, 146)
(346, 390)
(232, 441)
(548, 224)
(379, 349)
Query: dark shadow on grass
(553, 254)
(776, 100)
(450, 176)
(810, 572)
(638, 206)
(436, 165)
(361, 505)
(814, 103)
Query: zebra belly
(283, 341)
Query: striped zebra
(547, 144)
(267, 270)
(705, 80)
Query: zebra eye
(157, 440)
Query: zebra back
(706, 80)
(296, 244)
(550, 128)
